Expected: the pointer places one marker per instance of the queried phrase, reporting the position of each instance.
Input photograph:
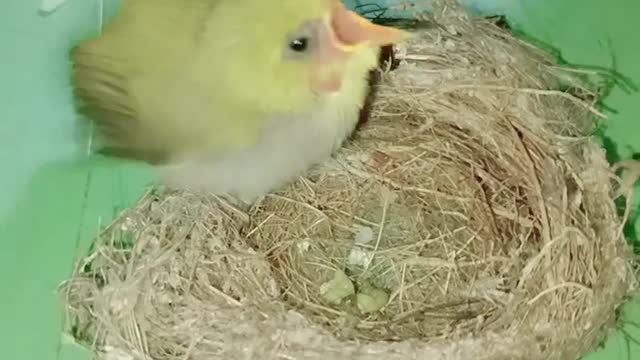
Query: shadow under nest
(471, 217)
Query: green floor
(54, 198)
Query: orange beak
(346, 31)
(352, 29)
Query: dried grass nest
(472, 217)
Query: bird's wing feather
(103, 94)
(124, 78)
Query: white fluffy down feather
(49, 6)
(284, 151)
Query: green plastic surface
(55, 197)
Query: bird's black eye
(299, 44)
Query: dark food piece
(500, 21)
(387, 55)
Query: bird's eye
(299, 45)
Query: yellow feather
(202, 87)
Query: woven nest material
(472, 217)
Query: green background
(54, 197)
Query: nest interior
(471, 217)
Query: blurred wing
(125, 79)
(103, 93)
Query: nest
(472, 217)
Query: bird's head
(282, 56)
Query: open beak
(346, 31)
(351, 29)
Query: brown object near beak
(387, 56)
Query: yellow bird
(228, 96)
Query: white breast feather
(284, 151)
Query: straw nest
(472, 217)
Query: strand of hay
(471, 218)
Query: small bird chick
(228, 96)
